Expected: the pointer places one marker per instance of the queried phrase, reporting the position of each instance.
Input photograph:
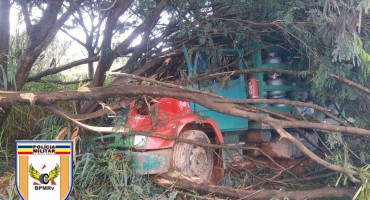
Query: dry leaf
(75, 140)
(117, 156)
(62, 134)
(75, 132)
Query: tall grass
(4, 153)
(104, 176)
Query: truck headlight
(140, 140)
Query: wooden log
(179, 182)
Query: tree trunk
(91, 54)
(107, 57)
(4, 38)
(173, 180)
(4, 50)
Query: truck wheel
(192, 160)
(44, 178)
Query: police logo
(44, 169)
(44, 178)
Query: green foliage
(364, 56)
(5, 79)
(4, 153)
(363, 192)
(50, 127)
(334, 140)
(105, 177)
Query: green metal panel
(236, 89)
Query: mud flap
(217, 174)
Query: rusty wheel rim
(193, 161)
(197, 162)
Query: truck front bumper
(149, 162)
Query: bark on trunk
(4, 37)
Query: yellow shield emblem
(44, 169)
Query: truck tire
(44, 178)
(192, 160)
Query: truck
(187, 120)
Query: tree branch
(26, 17)
(146, 23)
(101, 93)
(41, 36)
(82, 23)
(63, 83)
(49, 98)
(74, 38)
(80, 117)
(169, 85)
(107, 56)
(62, 68)
(223, 100)
(351, 83)
(281, 101)
(104, 64)
(246, 71)
(284, 134)
(166, 180)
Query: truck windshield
(203, 63)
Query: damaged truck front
(172, 118)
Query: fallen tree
(100, 93)
(173, 180)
